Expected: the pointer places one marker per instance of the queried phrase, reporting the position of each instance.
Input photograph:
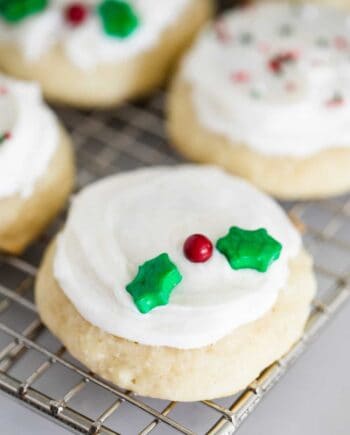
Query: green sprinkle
(254, 93)
(4, 137)
(285, 30)
(246, 249)
(154, 283)
(322, 42)
(14, 11)
(245, 38)
(119, 18)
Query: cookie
(178, 283)
(36, 165)
(265, 93)
(99, 53)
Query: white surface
(17, 420)
(312, 399)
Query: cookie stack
(180, 283)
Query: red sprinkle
(222, 32)
(264, 47)
(291, 86)
(341, 43)
(76, 14)
(335, 101)
(277, 63)
(7, 135)
(198, 248)
(3, 90)
(241, 76)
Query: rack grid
(37, 370)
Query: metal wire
(107, 142)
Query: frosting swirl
(275, 77)
(29, 135)
(87, 45)
(117, 224)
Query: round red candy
(198, 248)
(76, 14)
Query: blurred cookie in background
(265, 93)
(96, 53)
(36, 164)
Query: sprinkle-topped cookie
(90, 32)
(154, 270)
(275, 77)
(29, 137)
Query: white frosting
(87, 45)
(34, 137)
(236, 94)
(117, 224)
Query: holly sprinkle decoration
(154, 283)
(341, 43)
(221, 31)
(322, 42)
(240, 76)
(4, 136)
(246, 38)
(76, 13)
(255, 94)
(246, 249)
(198, 248)
(119, 18)
(336, 100)
(279, 61)
(14, 11)
(285, 30)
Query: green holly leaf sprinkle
(154, 283)
(119, 18)
(246, 249)
(14, 11)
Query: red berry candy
(76, 13)
(198, 248)
(240, 76)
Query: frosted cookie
(265, 92)
(96, 53)
(177, 283)
(36, 164)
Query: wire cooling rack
(37, 370)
